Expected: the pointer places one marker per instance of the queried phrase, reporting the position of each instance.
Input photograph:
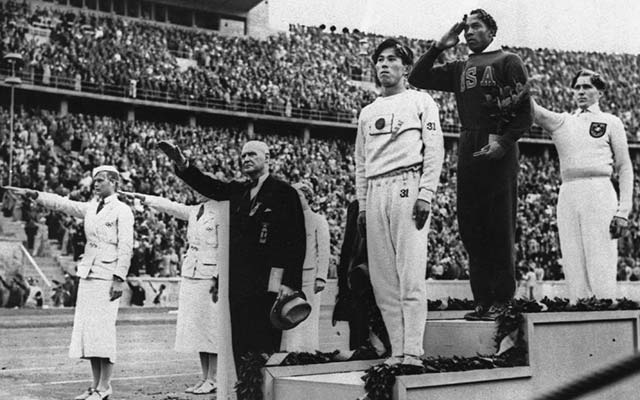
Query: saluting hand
(174, 153)
(31, 194)
(421, 210)
(451, 38)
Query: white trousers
(589, 255)
(397, 253)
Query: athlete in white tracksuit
(591, 144)
(399, 155)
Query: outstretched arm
(178, 210)
(548, 120)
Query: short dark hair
(487, 19)
(594, 77)
(402, 51)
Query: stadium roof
(241, 6)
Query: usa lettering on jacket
(469, 78)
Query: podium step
(345, 385)
(447, 338)
(561, 348)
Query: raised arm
(425, 76)
(178, 210)
(548, 120)
(54, 202)
(208, 186)
(192, 176)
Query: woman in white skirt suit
(108, 225)
(305, 337)
(196, 329)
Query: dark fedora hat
(289, 311)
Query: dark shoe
(477, 314)
(494, 312)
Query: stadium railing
(167, 97)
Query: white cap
(103, 168)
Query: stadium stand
(307, 72)
(56, 153)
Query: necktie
(200, 212)
(100, 205)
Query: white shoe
(101, 395)
(393, 360)
(84, 395)
(190, 389)
(207, 387)
(412, 360)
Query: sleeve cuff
(425, 194)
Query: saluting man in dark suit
(267, 243)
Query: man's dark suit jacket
(264, 233)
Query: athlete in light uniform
(591, 144)
(399, 155)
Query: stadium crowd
(56, 153)
(309, 72)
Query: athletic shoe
(476, 314)
(207, 387)
(84, 395)
(190, 389)
(101, 395)
(412, 360)
(393, 360)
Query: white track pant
(398, 260)
(589, 255)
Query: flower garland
(379, 379)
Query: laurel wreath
(379, 379)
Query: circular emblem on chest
(597, 129)
(380, 123)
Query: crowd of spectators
(60, 156)
(294, 73)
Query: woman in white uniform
(196, 329)
(108, 226)
(305, 337)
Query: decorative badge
(264, 233)
(382, 125)
(597, 129)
